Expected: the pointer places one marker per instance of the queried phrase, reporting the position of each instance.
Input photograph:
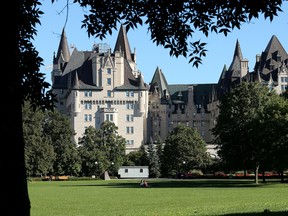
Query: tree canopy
(184, 150)
(179, 20)
(250, 127)
(101, 150)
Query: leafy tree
(90, 153)
(104, 146)
(179, 20)
(243, 131)
(273, 121)
(26, 82)
(39, 152)
(113, 146)
(137, 158)
(184, 150)
(133, 158)
(285, 94)
(57, 126)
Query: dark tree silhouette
(170, 22)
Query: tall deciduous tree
(273, 121)
(246, 133)
(184, 150)
(178, 21)
(101, 150)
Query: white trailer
(133, 172)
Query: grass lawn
(163, 198)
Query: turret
(62, 58)
(141, 94)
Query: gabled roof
(271, 55)
(159, 83)
(131, 82)
(78, 72)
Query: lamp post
(96, 163)
(112, 168)
(184, 168)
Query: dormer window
(278, 58)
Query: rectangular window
(126, 170)
(88, 105)
(108, 81)
(129, 93)
(141, 170)
(109, 70)
(109, 93)
(129, 142)
(284, 79)
(88, 93)
(109, 117)
(129, 106)
(129, 130)
(87, 117)
(129, 118)
(202, 123)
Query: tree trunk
(263, 177)
(14, 193)
(256, 173)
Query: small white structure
(133, 172)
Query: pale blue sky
(253, 38)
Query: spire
(237, 57)
(223, 73)
(238, 51)
(122, 44)
(63, 54)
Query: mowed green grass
(163, 198)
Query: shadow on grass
(178, 184)
(264, 213)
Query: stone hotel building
(104, 85)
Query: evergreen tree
(154, 166)
(39, 152)
(58, 128)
